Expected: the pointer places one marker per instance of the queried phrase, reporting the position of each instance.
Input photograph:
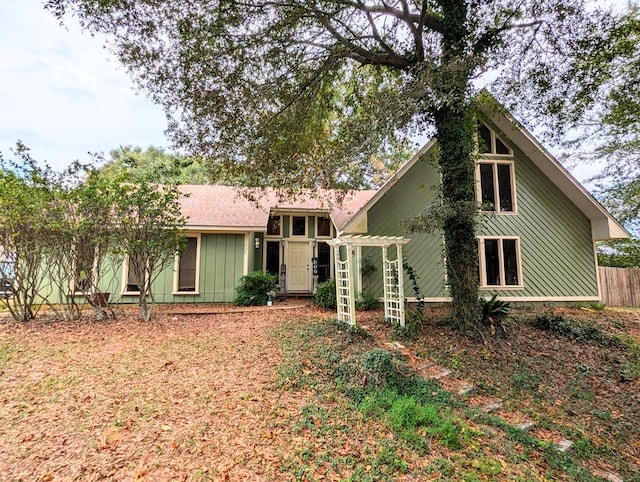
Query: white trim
(595, 262)
(125, 279)
(318, 236)
(362, 212)
(514, 299)
(482, 263)
(226, 229)
(176, 269)
(245, 257)
(281, 224)
(496, 185)
(603, 225)
(306, 227)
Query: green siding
(411, 194)
(557, 251)
(221, 267)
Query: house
(536, 238)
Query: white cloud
(63, 94)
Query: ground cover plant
(295, 395)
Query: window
(84, 268)
(272, 264)
(490, 143)
(500, 262)
(324, 262)
(134, 275)
(496, 186)
(186, 278)
(273, 226)
(298, 226)
(324, 227)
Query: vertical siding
(221, 267)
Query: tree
(301, 94)
(168, 167)
(25, 231)
(146, 222)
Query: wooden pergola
(391, 269)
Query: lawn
(293, 395)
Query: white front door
(298, 269)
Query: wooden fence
(620, 286)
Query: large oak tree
(299, 93)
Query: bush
(325, 295)
(494, 312)
(254, 289)
(367, 302)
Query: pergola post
(392, 276)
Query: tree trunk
(454, 132)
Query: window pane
(486, 186)
(324, 227)
(187, 267)
(504, 187)
(273, 226)
(492, 262)
(484, 139)
(134, 282)
(500, 147)
(510, 262)
(273, 257)
(324, 262)
(299, 225)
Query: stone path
(467, 392)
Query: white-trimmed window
(85, 269)
(500, 265)
(496, 186)
(186, 279)
(323, 227)
(490, 143)
(274, 226)
(132, 282)
(299, 226)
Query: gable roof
(603, 225)
(215, 207)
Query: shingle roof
(225, 207)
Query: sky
(63, 94)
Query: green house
(536, 236)
(538, 225)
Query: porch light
(257, 243)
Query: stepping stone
(464, 389)
(491, 407)
(564, 445)
(524, 426)
(444, 373)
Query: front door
(298, 269)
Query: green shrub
(254, 289)
(325, 295)
(494, 312)
(367, 302)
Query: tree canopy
(167, 167)
(294, 93)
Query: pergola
(391, 269)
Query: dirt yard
(248, 396)
(184, 397)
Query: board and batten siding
(221, 267)
(556, 246)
